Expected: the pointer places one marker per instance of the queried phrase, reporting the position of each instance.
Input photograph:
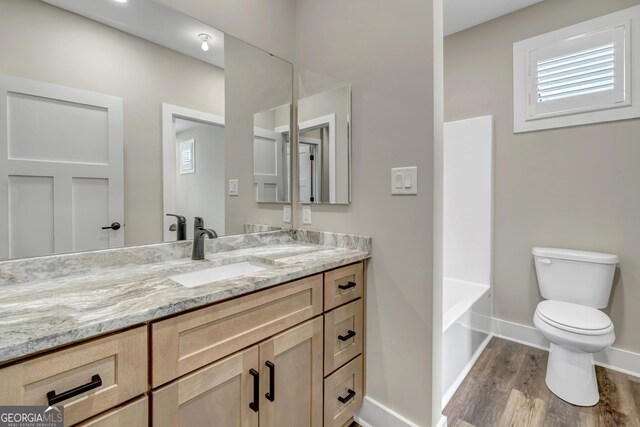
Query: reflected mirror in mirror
(272, 155)
(324, 145)
(119, 114)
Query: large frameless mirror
(324, 147)
(123, 121)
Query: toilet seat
(575, 318)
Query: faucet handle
(180, 218)
(198, 223)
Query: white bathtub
(466, 328)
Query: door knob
(113, 226)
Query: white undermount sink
(217, 274)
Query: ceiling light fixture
(120, 1)
(206, 39)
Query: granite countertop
(44, 312)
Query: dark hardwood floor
(506, 388)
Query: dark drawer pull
(348, 397)
(54, 398)
(255, 405)
(349, 335)
(349, 285)
(271, 395)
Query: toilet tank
(575, 276)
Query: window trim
(524, 121)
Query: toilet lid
(573, 316)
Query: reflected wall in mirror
(324, 145)
(272, 155)
(117, 117)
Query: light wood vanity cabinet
(135, 413)
(301, 364)
(343, 344)
(289, 355)
(187, 342)
(110, 370)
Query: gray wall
(572, 187)
(73, 51)
(385, 49)
(203, 192)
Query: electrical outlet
(306, 214)
(286, 214)
(233, 187)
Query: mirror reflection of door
(61, 165)
(271, 155)
(267, 146)
(326, 116)
(310, 155)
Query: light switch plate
(306, 214)
(286, 214)
(233, 187)
(404, 181)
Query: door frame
(170, 112)
(320, 122)
(317, 170)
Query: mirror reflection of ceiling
(154, 22)
(462, 14)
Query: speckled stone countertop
(51, 301)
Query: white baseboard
(452, 389)
(375, 414)
(612, 358)
(442, 422)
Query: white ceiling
(154, 22)
(462, 14)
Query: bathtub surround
(572, 187)
(467, 246)
(98, 292)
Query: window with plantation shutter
(577, 75)
(188, 157)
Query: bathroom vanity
(121, 343)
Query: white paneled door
(267, 167)
(61, 169)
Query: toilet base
(572, 377)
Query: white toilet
(575, 285)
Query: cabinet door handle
(54, 398)
(255, 405)
(349, 335)
(349, 285)
(350, 395)
(271, 395)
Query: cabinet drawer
(134, 414)
(342, 335)
(343, 285)
(343, 394)
(120, 360)
(185, 343)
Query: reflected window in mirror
(324, 147)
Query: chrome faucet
(199, 233)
